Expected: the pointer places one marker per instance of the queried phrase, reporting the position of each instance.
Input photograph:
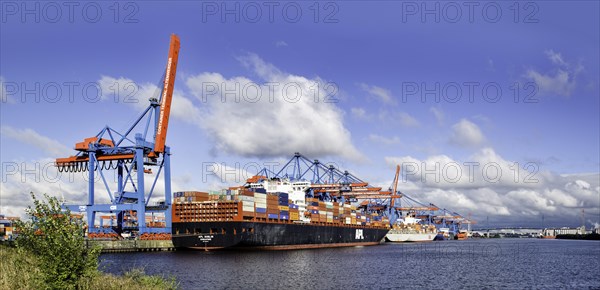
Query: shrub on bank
(50, 253)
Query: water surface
(474, 263)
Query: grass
(21, 270)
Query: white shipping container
(246, 198)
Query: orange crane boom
(167, 96)
(395, 185)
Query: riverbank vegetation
(50, 253)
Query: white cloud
(42, 177)
(31, 137)
(401, 118)
(384, 140)
(138, 94)
(263, 69)
(359, 113)
(268, 118)
(514, 194)
(407, 120)
(281, 43)
(254, 119)
(467, 134)
(556, 58)
(561, 81)
(379, 93)
(227, 175)
(438, 114)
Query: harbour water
(474, 263)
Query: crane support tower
(132, 156)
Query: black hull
(263, 235)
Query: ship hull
(273, 236)
(461, 236)
(409, 237)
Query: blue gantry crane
(330, 183)
(132, 155)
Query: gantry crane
(131, 155)
(329, 183)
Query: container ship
(273, 214)
(410, 229)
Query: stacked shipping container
(242, 204)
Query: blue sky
(374, 53)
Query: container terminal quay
(306, 204)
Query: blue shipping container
(284, 212)
(261, 210)
(273, 216)
(284, 217)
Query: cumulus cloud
(42, 177)
(384, 140)
(31, 137)
(560, 81)
(379, 93)
(467, 134)
(275, 116)
(438, 114)
(224, 175)
(407, 120)
(127, 91)
(486, 184)
(359, 113)
(401, 118)
(281, 43)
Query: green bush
(22, 270)
(57, 241)
(50, 253)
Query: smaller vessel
(462, 235)
(410, 229)
(443, 234)
(548, 234)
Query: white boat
(409, 229)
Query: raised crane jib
(167, 96)
(395, 190)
